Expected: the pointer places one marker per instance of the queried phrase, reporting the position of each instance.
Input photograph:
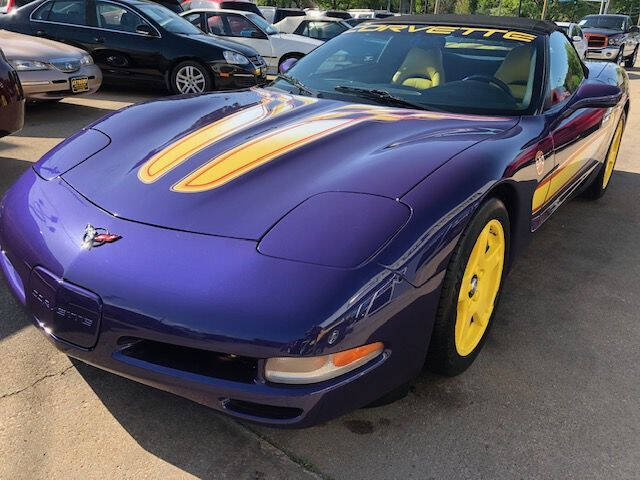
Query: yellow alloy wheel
(612, 155)
(479, 287)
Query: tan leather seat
(515, 70)
(420, 69)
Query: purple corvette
(288, 254)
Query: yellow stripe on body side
(565, 172)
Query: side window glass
(215, 24)
(42, 12)
(303, 29)
(324, 30)
(195, 19)
(241, 27)
(115, 17)
(565, 70)
(68, 11)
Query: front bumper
(203, 329)
(605, 53)
(229, 76)
(53, 84)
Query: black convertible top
(517, 23)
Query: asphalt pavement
(554, 394)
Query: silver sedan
(50, 70)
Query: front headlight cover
(616, 40)
(86, 60)
(21, 65)
(306, 370)
(235, 58)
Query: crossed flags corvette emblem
(97, 237)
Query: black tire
(620, 57)
(597, 188)
(177, 81)
(443, 357)
(631, 61)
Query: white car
(254, 31)
(574, 32)
(320, 28)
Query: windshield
(610, 23)
(455, 69)
(262, 24)
(168, 20)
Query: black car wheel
(631, 61)
(190, 77)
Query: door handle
(40, 33)
(98, 40)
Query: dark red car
(11, 99)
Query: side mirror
(287, 64)
(595, 95)
(145, 29)
(634, 29)
(256, 34)
(576, 38)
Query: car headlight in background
(28, 65)
(304, 370)
(235, 58)
(616, 40)
(86, 60)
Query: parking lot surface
(554, 394)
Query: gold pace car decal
(446, 30)
(265, 147)
(271, 105)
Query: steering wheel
(487, 79)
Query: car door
(579, 138)
(242, 30)
(65, 21)
(126, 45)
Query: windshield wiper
(298, 84)
(382, 96)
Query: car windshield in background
(262, 23)
(458, 69)
(168, 20)
(610, 23)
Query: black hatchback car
(141, 41)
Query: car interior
(437, 68)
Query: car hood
(232, 164)
(26, 47)
(603, 31)
(216, 41)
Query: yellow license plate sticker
(80, 84)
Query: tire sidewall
(595, 190)
(207, 75)
(450, 361)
